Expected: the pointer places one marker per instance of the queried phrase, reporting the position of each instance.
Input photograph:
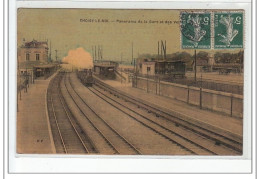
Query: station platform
(33, 130)
(222, 123)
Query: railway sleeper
(217, 142)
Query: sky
(66, 30)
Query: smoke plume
(79, 58)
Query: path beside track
(33, 131)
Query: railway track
(118, 143)
(68, 135)
(205, 140)
(178, 148)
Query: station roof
(105, 65)
(34, 64)
(28, 64)
(45, 66)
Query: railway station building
(106, 69)
(33, 59)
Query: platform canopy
(44, 66)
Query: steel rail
(55, 118)
(172, 140)
(124, 139)
(180, 122)
(163, 127)
(102, 135)
(82, 142)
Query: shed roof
(45, 66)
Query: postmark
(195, 30)
(228, 30)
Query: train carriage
(86, 77)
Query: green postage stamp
(228, 30)
(212, 30)
(195, 30)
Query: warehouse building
(160, 67)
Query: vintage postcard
(130, 81)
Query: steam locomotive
(86, 77)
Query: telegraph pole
(95, 52)
(165, 49)
(98, 52)
(18, 86)
(132, 56)
(158, 49)
(161, 49)
(56, 55)
(195, 66)
(121, 66)
(201, 91)
(147, 80)
(50, 53)
(101, 52)
(92, 53)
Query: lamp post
(147, 79)
(195, 66)
(20, 85)
(201, 91)
(134, 74)
(26, 80)
(121, 67)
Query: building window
(148, 69)
(37, 57)
(27, 57)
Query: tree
(203, 55)
(229, 57)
